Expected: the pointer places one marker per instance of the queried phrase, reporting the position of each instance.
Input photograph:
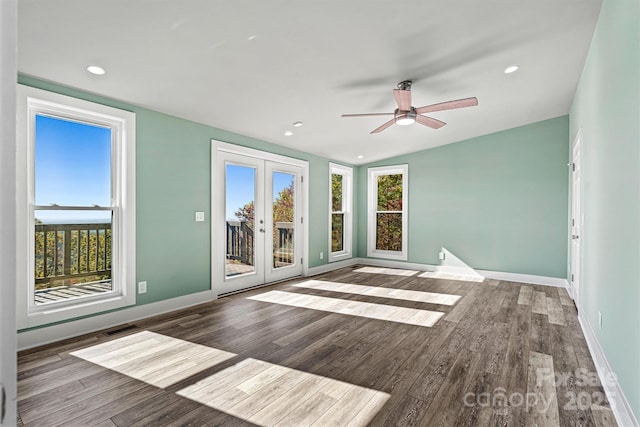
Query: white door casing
(8, 73)
(576, 218)
(265, 165)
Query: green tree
(283, 208)
(283, 205)
(389, 222)
(246, 213)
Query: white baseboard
(395, 264)
(497, 275)
(619, 403)
(525, 278)
(37, 337)
(331, 266)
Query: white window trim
(372, 184)
(347, 209)
(32, 101)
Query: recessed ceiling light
(252, 37)
(297, 124)
(360, 156)
(288, 133)
(94, 69)
(511, 69)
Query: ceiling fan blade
(429, 121)
(367, 115)
(403, 99)
(449, 105)
(384, 126)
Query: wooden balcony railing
(283, 244)
(240, 243)
(72, 254)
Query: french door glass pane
(337, 232)
(389, 231)
(73, 254)
(283, 214)
(240, 219)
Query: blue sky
(241, 187)
(72, 168)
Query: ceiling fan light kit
(405, 118)
(406, 114)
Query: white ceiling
(254, 67)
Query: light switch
(199, 216)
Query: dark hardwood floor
(504, 354)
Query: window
(76, 220)
(340, 211)
(387, 219)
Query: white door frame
(218, 149)
(8, 335)
(577, 219)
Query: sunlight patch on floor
(389, 271)
(267, 394)
(411, 316)
(451, 276)
(154, 358)
(377, 291)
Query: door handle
(575, 236)
(262, 230)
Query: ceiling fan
(406, 114)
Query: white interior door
(576, 220)
(257, 234)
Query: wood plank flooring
(356, 346)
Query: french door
(259, 237)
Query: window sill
(44, 315)
(400, 256)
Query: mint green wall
(173, 181)
(607, 109)
(497, 202)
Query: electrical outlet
(321, 255)
(142, 287)
(199, 216)
(599, 320)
